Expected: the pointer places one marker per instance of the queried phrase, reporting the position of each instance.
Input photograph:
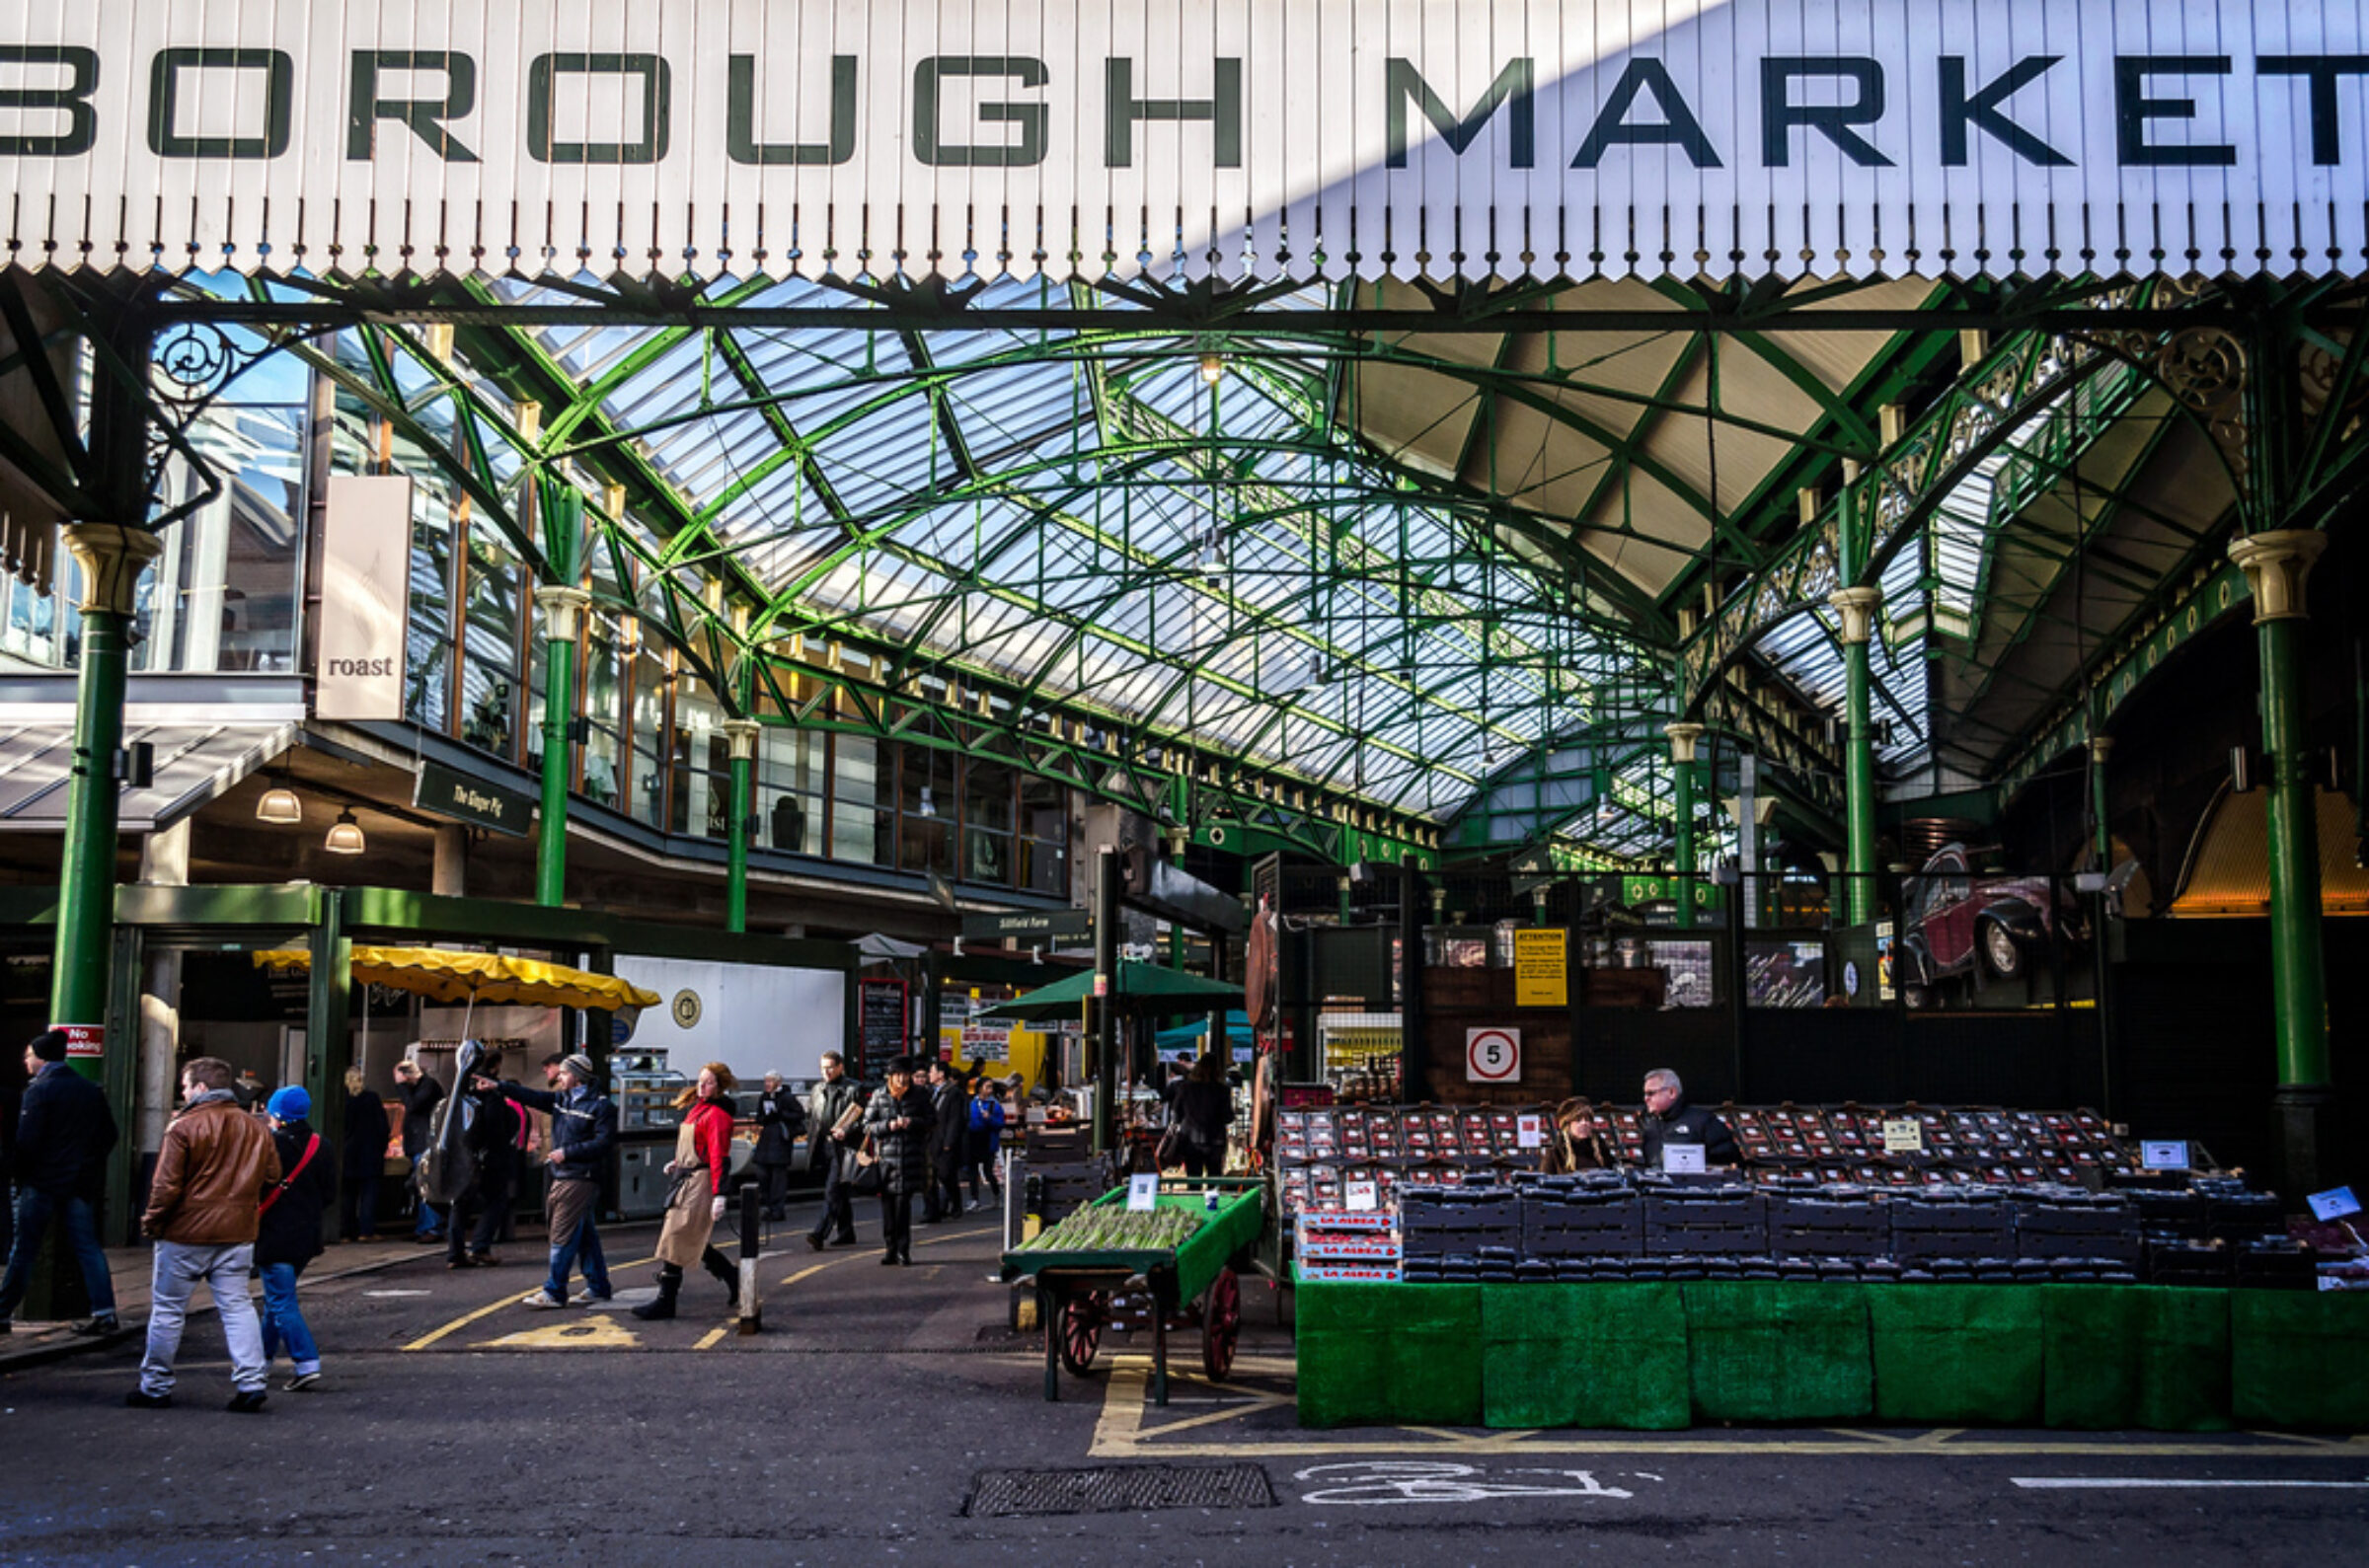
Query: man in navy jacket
(63, 1135)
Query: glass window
(429, 644)
(925, 805)
(856, 820)
(604, 705)
(791, 768)
(490, 673)
(1044, 837)
(649, 781)
(987, 807)
(702, 755)
(224, 594)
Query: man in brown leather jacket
(215, 1169)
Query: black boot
(670, 1285)
(721, 1267)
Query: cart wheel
(1221, 1324)
(1081, 1332)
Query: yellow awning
(488, 979)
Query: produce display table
(1193, 1284)
(1660, 1356)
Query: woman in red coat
(702, 1161)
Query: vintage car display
(1960, 924)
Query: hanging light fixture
(1213, 366)
(279, 804)
(929, 804)
(346, 835)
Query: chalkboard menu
(881, 1025)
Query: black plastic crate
(1554, 1225)
(2244, 1217)
(2181, 1213)
(1729, 1222)
(1813, 1227)
(1435, 1222)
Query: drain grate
(1118, 1489)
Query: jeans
(284, 1320)
(431, 1219)
(178, 1268)
(357, 1208)
(570, 1207)
(34, 1209)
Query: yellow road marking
(509, 1298)
(599, 1331)
(709, 1338)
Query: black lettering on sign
(740, 118)
(2323, 70)
(931, 148)
(658, 103)
(424, 117)
(1678, 126)
(2133, 109)
(70, 98)
(1122, 108)
(1778, 114)
(1510, 91)
(164, 103)
(1982, 111)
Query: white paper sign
(1530, 1132)
(1492, 1056)
(2168, 1154)
(2336, 1203)
(366, 597)
(1905, 1135)
(1363, 1196)
(1143, 1192)
(1682, 1160)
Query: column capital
(2275, 563)
(1857, 607)
(112, 556)
(743, 734)
(2101, 746)
(563, 606)
(1683, 738)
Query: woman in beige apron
(703, 1159)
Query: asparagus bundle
(1106, 1227)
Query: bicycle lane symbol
(1367, 1482)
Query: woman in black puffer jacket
(898, 1121)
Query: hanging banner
(1473, 138)
(366, 597)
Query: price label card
(1362, 1196)
(1530, 1132)
(1143, 1192)
(2164, 1153)
(2336, 1203)
(1682, 1160)
(1905, 1135)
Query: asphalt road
(882, 1409)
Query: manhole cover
(1120, 1489)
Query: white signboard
(1492, 1056)
(1903, 1135)
(2336, 1203)
(1481, 139)
(2170, 1153)
(1143, 1192)
(755, 1017)
(1529, 1132)
(1682, 1160)
(1362, 1196)
(365, 596)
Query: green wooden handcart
(1193, 1285)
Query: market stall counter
(1184, 1250)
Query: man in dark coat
(899, 1121)
(833, 1095)
(419, 1093)
(495, 1134)
(63, 1135)
(781, 1117)
(950, 1104)
(1670, 1120)
(361, 1159)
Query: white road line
(2108, 1483)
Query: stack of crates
(1829, 1225)
(1582, 1222)
(1707, 1222)
(2080, 1234)
(1946, 1232)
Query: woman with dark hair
(702, 1161)
(1202, 1107)
(1578, 1142)
(899, 1120)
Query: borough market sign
(1272, 137)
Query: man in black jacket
(1670, 1120)
(420, 1093)
(949, 1103)
(63, 1135)
(828, 1105)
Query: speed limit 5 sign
(1492, 1056)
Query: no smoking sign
(1492, 1056)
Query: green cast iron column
(563, 610)
(2277, 565)
(743, 734)
(1857, 609)
(1682, 800)
(112, 556)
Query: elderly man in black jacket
(949, 1103)
(899, 1121)
(63, 1135)
(1670, 1120)
(828, 1105)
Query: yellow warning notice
(594, 1332)
(1541, 969)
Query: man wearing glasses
(1670, 1120)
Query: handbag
(867, 1177)
(1171, 1151)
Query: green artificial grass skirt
(1945, 1355)
(1770, 1351)
(1610, 1355)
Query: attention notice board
(1541, 968)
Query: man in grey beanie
(583, 1130)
